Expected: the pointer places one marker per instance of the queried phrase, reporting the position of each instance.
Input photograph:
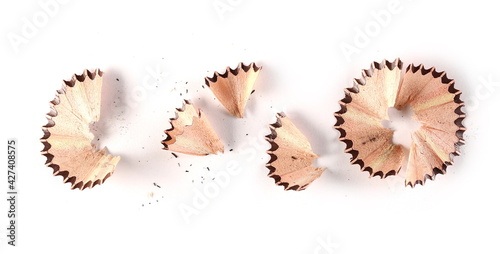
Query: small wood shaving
(291, 156)
(191, 133)
(233, 87)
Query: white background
(299, 44)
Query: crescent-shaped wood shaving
(67, 137)
(291, 156)
(233, 87)
(191, 133)
(436, 104)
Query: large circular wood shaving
(436, 104)
(67, 137)
(291, 156)
(233, 87)
(191, 133)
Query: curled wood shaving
(67, 137)
(436, 104)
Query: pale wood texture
(360, 120)
(68, 139)
(191, 133)
(291, 156)
(437, 107)
(233, 87)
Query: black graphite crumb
(231, 149)
(175, 155)
(117, 79)
(179, 164)
(252, 91)
(208, 168)
(155, 184)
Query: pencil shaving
(191, 133)
(67, 137)
(436, 104)
(233, 87)
(291, 156)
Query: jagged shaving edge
(167, 132)
(51, 123)
(397, 63)
(458, 121)
(343, 109)
(270, 138)
(235, 71)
